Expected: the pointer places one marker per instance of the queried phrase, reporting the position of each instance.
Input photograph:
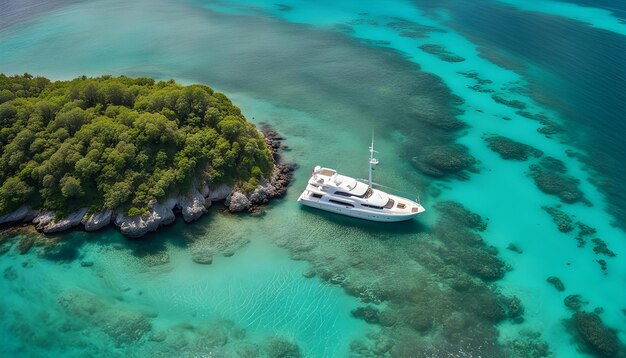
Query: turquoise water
(325, 75)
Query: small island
(127, 151)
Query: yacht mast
(373, 161)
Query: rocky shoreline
(190, 206)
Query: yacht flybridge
(331, 191)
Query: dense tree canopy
(119, 142)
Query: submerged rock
(120, 323)
(25, 243)
(9, 274)
(556, 282)
(202, 256)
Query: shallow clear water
(325, 75)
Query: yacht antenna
(373, 161)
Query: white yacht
(331, 191)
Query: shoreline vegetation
(132, 152)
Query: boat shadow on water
(412, 226)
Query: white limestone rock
(97, 221)
(137, 226)
(42, 219)
(63, 224)
(193, 205)
(220, 193)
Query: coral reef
(440, 161)
(369, 314)
(549, 176)
(411, 29)
(527, 344)
(122, 324)
(556, 282)
(441, 52)
(574, 302)
(510, 149)
(281, 347)
(600, 247)
(549, 127)
(508, 102)
(560, 218)
(447, 269)
(593, 336)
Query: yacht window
(373, 206)
(389, 204)
(340, 202)
(343, 193)
(317, 196)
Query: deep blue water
(582, 74)
(325, 74)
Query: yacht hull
(355, 213)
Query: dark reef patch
(560, 218)
(283, 7)
(441, 161)
(550, 177)
(584, 230)
(603, 265)
(281, 347)
(574, 302)
(600, 247)
(513, 103)
(593, 336)
(510, 149)
(9, 274)
(25, 244)
(513, 247)
(556, 282)
(369, 314)
(441, 52)
(480, 83)
(549, 128)
(411, 29)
